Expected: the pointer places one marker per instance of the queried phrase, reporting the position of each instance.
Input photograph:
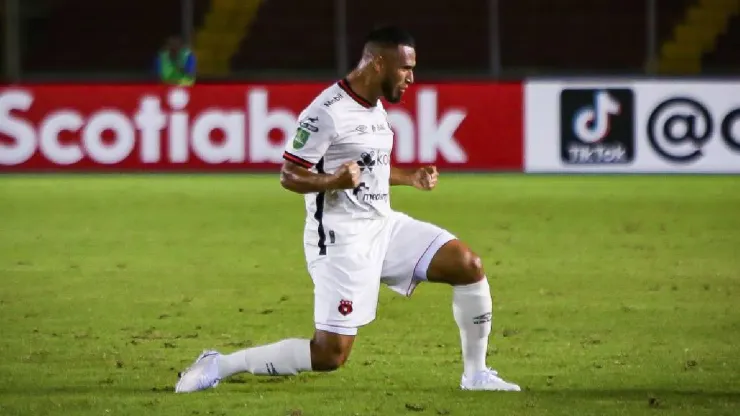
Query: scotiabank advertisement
(241, 127)
(632, 126)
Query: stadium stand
(670, 13)
(449, 37)
(577, 35)
(566, 35)
(306, 35)
(59, 37)
(696, 34)
(725, 57)
(289, 34)
(536, 36)
(2, 39)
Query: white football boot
(487, 379)
(203, 374)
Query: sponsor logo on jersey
(374, 197)
(361, 187)
(381, 127)
(333, 100)
(368, 160)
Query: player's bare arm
(401, 176)
(301, 180)
(424, 178)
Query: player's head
(392, 54)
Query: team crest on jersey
(300, 139)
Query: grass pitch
(612, 296)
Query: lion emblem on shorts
(345, 307)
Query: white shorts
(395, 251)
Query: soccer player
(353, 241)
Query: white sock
(286, 357)
(472, 308)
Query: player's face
(399, 73)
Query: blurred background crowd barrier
(68, 40)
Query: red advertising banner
(241, 126)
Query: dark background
(89, 40)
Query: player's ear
(378, 63)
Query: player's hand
(426, 178)
(347, 176)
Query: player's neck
(361, 84)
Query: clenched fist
(425, 178)
(347, 176)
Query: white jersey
(338, 127)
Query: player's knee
(333, 361)
(329, 360)
(472, 267)
(456, 264)
(328, 357)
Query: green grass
(612, 296)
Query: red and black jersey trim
(344, 85)
(319, 214)
(297, 160)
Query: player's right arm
(298, 179)
(315, 132)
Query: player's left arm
(424, 178)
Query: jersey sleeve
(314, 133)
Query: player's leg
(340, 306)
(420, 251)
(326, 351)
(454, 263)
(346, 294)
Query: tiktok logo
(597, 126)
(591, 124)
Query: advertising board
(670, 126)
(240, 127)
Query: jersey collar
(344, 84)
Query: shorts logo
(345, 307)
(300, 139)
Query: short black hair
(390, 35)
